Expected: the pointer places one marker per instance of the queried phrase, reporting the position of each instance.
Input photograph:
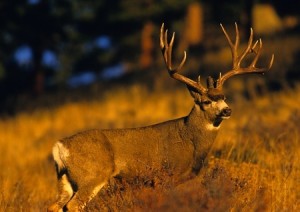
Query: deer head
(211, 98)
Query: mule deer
(86, 161)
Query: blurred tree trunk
(146, 58)
(246, 17)
(38, 78)
(194, 24)
(193, 32)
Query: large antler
(237, 59)
(166, 49)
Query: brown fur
(178, 146)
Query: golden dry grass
(254, 164)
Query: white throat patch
(211, 127)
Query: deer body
(180, 145)
(93, 157)
(86, 161)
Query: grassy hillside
(254, 164)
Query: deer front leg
(84, 194)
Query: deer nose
(226, 112)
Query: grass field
(254, 164)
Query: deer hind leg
(65, 193)
(88, 182)
(84, 195)
(65, 190)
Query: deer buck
(86, 161)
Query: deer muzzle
(225, 113)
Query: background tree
(40, 26)
(71, 30)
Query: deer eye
(206, 102)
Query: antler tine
(166, 48)
(170, 50)
(233, 46)
(236, 69)
(257, 53)
(248, 48)
(161, 37)
(271, 62)
(235, 50)
(227, 36)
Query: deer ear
(196, 95)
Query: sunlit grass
(254, 163)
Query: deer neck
(200, 122)
(202, 133)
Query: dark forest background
(61, 47)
